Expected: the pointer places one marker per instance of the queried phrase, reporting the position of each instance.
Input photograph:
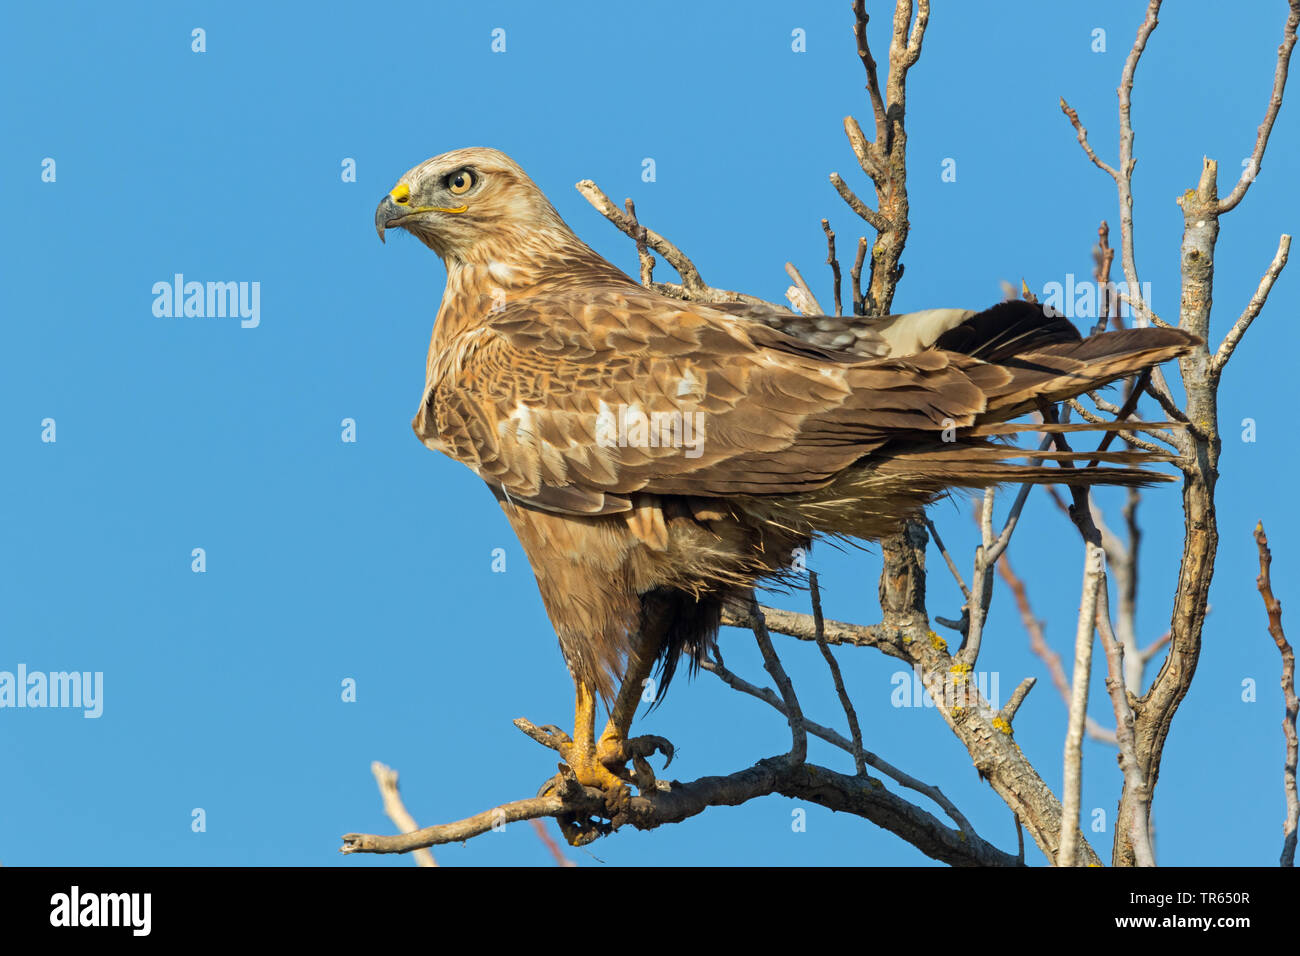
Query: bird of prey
(658, 457)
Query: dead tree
(875, 788)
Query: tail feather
(1020, 428)
(1007, 330)
(1060, 371)
(979, 465)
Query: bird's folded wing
(572, 404)
(870, 336)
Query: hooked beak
(395, 208)
(389, 213)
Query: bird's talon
(643, 775)
(556, 733)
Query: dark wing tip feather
(1006, 330)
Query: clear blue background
(372, 560)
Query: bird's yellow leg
(616, 748)
(580, 753)
(604, 765)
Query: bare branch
(693, 286)
(772, 664)
(1130, 437)
(857, 205)
(642, 253)
(885, 160)
(1135, 783)
(1008, 711)
(803, 627)
(770, 697)
(673, 802)
(904, 633)
(550, 844)
(676, 258)
(1125, 410)
(866, 152)
(917, 35)
(869, 64)
(1144, 310)
(1073, 116)
(1038, 644)
(1073, 787)
(1252, 169)
(1152, 649)
(859, 303)
(800, 296)
(952, 565)
(569, 797)
(986, 556)
(834, 263)
(820, 623)
(1253, 307)
(1124, 179)
(1104, 258)
(396, 810)
(718, 668)
(1291, 705)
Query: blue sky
(371, 560)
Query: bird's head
(469, 205)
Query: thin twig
(804, 301)
(859, 303)
(1128, 436)
(866, 152)
(836, 739)
(1137, 784)
(1104, 257)
(854, 729)
(693, 286)
(1073, 787)
(1253, 307)
(1135, 781)
(987, 554)
(1251, 172)
(1008, 711)
(1125, 411)
(868, 63)
(772, 664)
(952, 565)
(1123, 177)
(834, 263)
(1038, 644)
(396, 810)
(674, 801)
(550, 844)
(643, 255)
(873, 218)
(1073, 116)
(1291, 705)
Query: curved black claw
(579, 832)
(578, 829)
(635, 750)
(643, 774)
(648, 746)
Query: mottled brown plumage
(767, 439)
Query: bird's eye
(460, 182)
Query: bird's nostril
(401, 194)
